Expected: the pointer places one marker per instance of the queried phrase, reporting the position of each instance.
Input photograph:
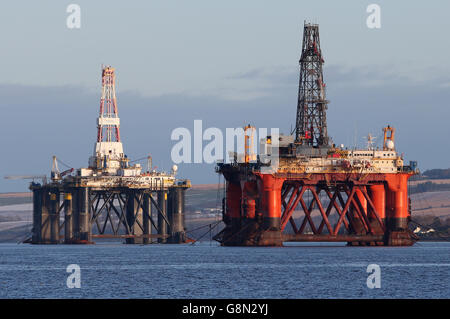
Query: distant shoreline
(16, 194)
(30, 194)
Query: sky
(227, 63)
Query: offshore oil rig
(358, 196)
(110, 198)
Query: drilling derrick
(110, 198)
(108, 119)
(108, 150)
(303, 188)
(311, 124)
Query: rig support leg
(378, 197)
(54, 216)
(134, 217)
(147, 211)
(232, 215)
(37, 216)
(398, 233)
(176, 216)
(82, 214)
(162, 216)
(68, 219)
(271, 210)
(129, 212)
(45, 218)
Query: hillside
(437, 173)
(204, 205)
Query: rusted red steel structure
(318, 192)
(360, 210)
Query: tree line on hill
(429, 186)
(436, 173)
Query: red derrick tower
(108, 129)
(108, 150)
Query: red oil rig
(358, 196)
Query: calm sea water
(206, 270)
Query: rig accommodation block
(316, 191)
(111, 198)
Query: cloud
(38, 122)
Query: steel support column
(162, 216)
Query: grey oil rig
(110, 198)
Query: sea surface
(206, 270)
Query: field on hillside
(204, 207)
